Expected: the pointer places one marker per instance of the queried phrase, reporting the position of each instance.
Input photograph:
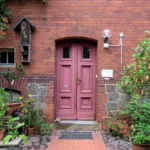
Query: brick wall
(60, 19)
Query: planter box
(12, 107)
(2, 134)
(140, 147)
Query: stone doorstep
(78, 122)
(15, 142)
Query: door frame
(84, 42)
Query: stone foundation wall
(40, 93)
(116, 100)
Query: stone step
(77, 127)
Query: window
(66, 52)
(86, 53)
(6, 57)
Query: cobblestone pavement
(115, 143)
(34, 143)
(101, 141)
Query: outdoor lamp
(106, 35)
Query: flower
(22, 105)
(21, 97)
(30, 95)
(124, 121)
(104, 127)
(115, 122)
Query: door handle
(78, 80)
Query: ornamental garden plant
(136, 83)
(27, 119)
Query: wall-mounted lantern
(25, 27)
(106, 35)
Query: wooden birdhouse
(25, 27)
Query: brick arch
(20, 85)
(77, 32)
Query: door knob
(78, 81)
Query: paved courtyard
(94, 144)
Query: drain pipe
(121, 50)
(121, 39)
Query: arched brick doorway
(76, 80)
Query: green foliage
(11, 76)
(14, 75)
(30, 113)
(3, 106)
(140, 138)
(13, 133)
(46, 128)
(4, 96)
(136, 77)
(3, 109)
(136, 83)
(5, 16)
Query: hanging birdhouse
(25, 27)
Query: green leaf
(7, 139)
(19, 125)
(24, 138)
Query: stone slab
(112, 96)
(11, 143)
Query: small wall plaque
(107, 73)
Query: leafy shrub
(136, 82)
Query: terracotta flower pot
(2, 134)
(12, 107)
(30, 131)
(140, 147)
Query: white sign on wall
(107, 73)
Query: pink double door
(76, 81)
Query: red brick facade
(84, 19)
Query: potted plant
(13, 133)
(31, 121)
(3, 109)
(11, 76)
(140, 128)
(30, 114)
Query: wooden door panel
(86, 103)
(66, 79)
(66, 91)
(86, 88)
(86, 74)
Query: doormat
(76, 135)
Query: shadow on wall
(15, 94)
